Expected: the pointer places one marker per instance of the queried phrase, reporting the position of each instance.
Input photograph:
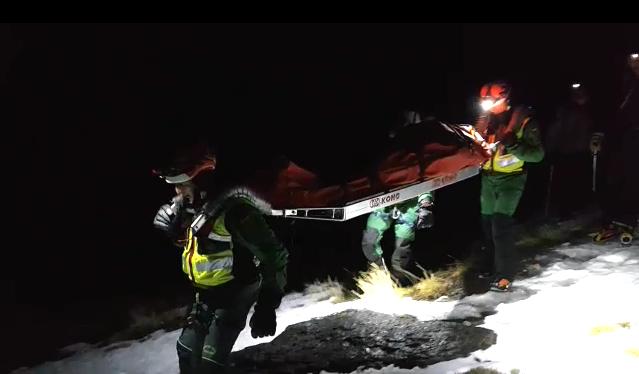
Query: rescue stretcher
(425, 158)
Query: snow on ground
(579, 315)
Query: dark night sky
(89, 109)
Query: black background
(88, 110)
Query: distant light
(576, 85)
(634, 56)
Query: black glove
(263, 322)
(269, 297)
(164, 218)
(426, 218)
(171, 218)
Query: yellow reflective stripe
(504, 164)
(507, 160)
(217, 261)
(220, 238)
(209, 266)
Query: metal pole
(549, 190)
(594, 172)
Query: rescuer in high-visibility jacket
(230, 255)
(513, 140)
